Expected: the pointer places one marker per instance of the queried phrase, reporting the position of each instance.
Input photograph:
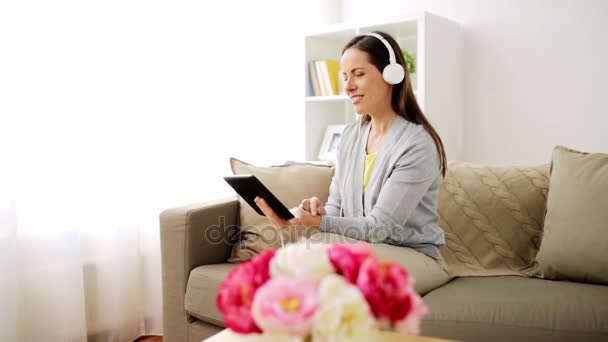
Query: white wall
(148, 91)
(535, 72)
(112, 111)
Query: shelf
(338, 31)
(437, 44)
(334, 98)
(398, 29)
(326, 98)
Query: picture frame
(331, 141)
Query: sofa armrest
(191, 236)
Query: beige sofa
(493, 217)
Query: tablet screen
(249, 187)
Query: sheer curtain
(112, 111)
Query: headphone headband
(394, 72)
(391, 53)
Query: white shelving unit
(437, 44)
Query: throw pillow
(575, 237)
(492, 217)
(290, 183)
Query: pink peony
(286, 305)
(348, 258)
(411, 323)
(237, 292)
(388, 289)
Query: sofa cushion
(492, 217)
(575, 238)
(202, 289)
(205, 281)
(290, 183)
(428, 273)
(516, 308)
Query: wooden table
(229, 336)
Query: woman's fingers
(306, 218)
(305, 204)
(316, 206)
(296, 213)
(276, 221)
(314, 202)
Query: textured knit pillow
(290, 183)
(492, 217)
(575, 241)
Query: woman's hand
(313, 205)
(275, 219)
(307, 219)
(302, 216)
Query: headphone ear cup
(393, 73)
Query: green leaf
(410, 61)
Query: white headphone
(392, 73)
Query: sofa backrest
(492, 217)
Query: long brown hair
(403, 100)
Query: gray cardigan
(399, 206)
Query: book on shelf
(333, 68)
(324, 78)
(314, 89)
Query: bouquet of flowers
(322, 292)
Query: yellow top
(369, 166)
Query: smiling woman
(390, 163)
(388, 85)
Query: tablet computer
(248, 187)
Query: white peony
(302, 260)
(343, 314)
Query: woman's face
(364, 84)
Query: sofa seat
(512, 308)
(202, 289)
(204, 281)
